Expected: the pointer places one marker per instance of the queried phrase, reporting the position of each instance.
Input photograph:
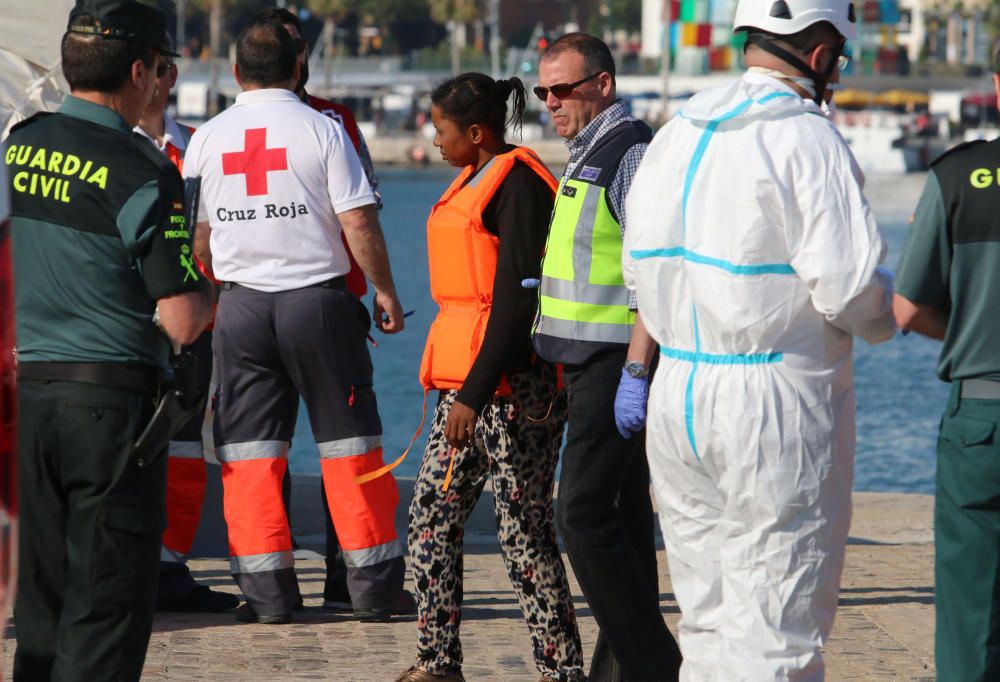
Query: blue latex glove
(630, 404)
(888, 275)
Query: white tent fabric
(30, 75)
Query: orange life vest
(462, 255)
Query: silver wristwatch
(636, 369)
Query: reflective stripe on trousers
(260, 541)
(255, 513)
(370, 538)
(259, 536)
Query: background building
(893, 34)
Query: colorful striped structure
(702, 40)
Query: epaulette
(31, 119)
(956, 148)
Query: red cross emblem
(255, 161)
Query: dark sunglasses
(843, 61)
(161, 69)
(300, 45)
(561, 90)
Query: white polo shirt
(274, 175)
(172, 135)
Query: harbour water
(899, 398)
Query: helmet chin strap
(820, 81)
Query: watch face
(635, 370)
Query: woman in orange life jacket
(499, 411)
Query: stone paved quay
(884, 628)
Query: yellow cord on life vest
(451, 467)
(372, 475)
(548, 413)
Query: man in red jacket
(335, 594)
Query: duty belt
(335, 283)
(980, 389)
(138, 378)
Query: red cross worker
(281, 183)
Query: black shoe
(202, 599)
(373, 615)
(403, 605)
(246, 614)
(339, 601)
(338, 605)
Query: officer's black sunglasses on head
(561, 90)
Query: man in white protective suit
(755, 255)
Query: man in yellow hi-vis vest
(585, 321)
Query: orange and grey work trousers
(186, 475)
(270, 348)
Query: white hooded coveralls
(753, 253)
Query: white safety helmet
(786, 17)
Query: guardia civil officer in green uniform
(100, 241)
(948, 288)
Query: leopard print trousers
(517, 441)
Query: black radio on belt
(182, 401)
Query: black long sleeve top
(519, 215)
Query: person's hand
(460, 427)
(630, 404)
(387, 312)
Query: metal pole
(329, 48)
(495, 38)
(665, 63)
(180, 34)
(214, 40)
(456, 58)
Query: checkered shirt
(585, 140)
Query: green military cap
(132, 20)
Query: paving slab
(884, 627)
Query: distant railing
(424, 60)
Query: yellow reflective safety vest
(583, 302)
